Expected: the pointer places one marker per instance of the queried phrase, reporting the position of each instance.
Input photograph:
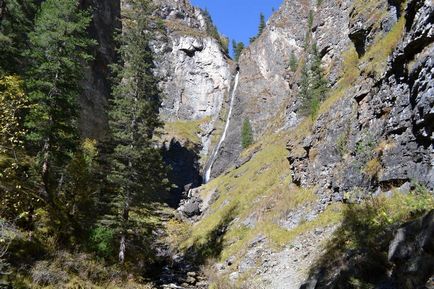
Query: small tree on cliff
(313, 84)
(246, 134)
(293, 62)
(261, 24)
(237, 48)
(137, 170)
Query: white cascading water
(222, 139)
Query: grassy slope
(259, 189)
(184, 130)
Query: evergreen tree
(16, 21)
(137, 170)
(237, 48)
(261, 24)
(310, 20)
(246, 134)
(224, 42)
(234, 47)
(293, 62)
(313, 84)
(318, 81)
(308, 36)
(261, 28)
(305, 91)
(58, 52)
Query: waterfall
(223, 137)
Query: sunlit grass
(187, 130)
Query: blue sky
(238, 19)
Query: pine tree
(319, 83)
(58, 53)
(234, 47)
(137, 170)
(16, 21)
(293, 62)
(261, 24)
(237, 48)
(261, 28)
(246, 134)
(313, 84)
(305, 91)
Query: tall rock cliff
(267, 90)
(267, 94)
(194, 69)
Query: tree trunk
(122, 249)
(125, 217)
(45, 173)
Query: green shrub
(372, 168)
(342, 142)
(365, 148)
(101, 240)
(293, 62)
(43, 273)
(160, 25)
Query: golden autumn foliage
(12, 102)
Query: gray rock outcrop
(380, 133)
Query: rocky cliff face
(267, 94)
(379, 133)
(267, 90)
(195, 71)
(196, 75)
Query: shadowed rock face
(184, 169)
(412, 251)
(94, 99)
